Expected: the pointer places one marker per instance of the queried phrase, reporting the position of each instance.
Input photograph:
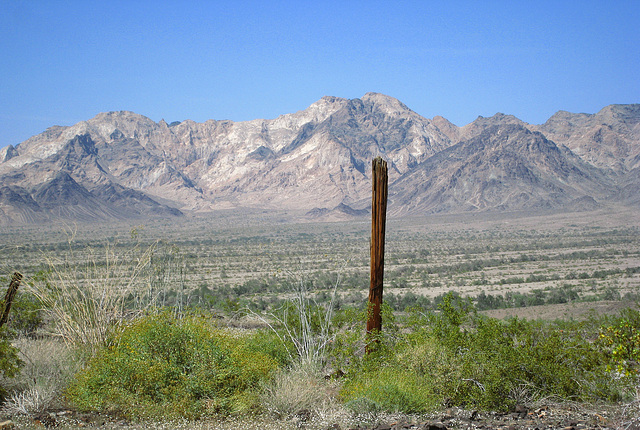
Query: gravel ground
(563, 416)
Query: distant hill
(121, 165)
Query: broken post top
(5, 305)
(378, 163)
(379, 181)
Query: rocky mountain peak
(331, 99)
(482, 123)
(564, 119)
(506, 167)
(389, 105)
(627, 113)
(315, 113)
(7, 153)
(496, 119)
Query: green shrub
(20, 316)
(503, 355)
(458, 357)
(390, 388)
(500, 356)
(416, 380)
(346, 351)
(265, 341)
(347, 347)
(163, 366)
(25, 317)
(10, 363)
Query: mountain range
(122, 165)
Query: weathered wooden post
(5, 306)
(378, 222)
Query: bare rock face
(505, 167)
(69, 183)
(609, 139)
(7, 153)
(121, 165)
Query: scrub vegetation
(268, 322)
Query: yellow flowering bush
(623, 340)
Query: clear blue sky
(65, 61)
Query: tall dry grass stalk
(303, 322)
(310, 344)
(86, 294)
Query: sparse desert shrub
(30, 401)
(164, 366)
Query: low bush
(622, 339)
(25, 317)
(390, 388)
(10, 363)
(164, 366)
(457, 357)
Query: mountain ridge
(319, 157)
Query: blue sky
(65, 61)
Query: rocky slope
(121, 165)
(608, 139)
(504, 167)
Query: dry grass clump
(303, 396)
(300, 392)
(30, 401)
(86, 296)
(630, 412)
(48, 367)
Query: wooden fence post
(378, 222)
(5, 306)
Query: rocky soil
(552, 416)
